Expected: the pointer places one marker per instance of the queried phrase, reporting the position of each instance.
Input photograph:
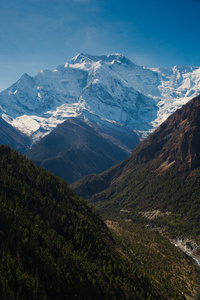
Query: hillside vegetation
(54, 246)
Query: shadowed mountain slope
(74, 149)
(13, 137)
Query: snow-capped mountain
(110, 88)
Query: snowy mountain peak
(110, 59)
(25, 79)
(107, 87)
(79, 58)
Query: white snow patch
(26, 124)
(7, 118)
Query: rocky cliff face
(177, 139)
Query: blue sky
(41, 34)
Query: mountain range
(84, 117)
(110, 94)
(110, 88)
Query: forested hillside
(53, 246)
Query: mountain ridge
(75, 148)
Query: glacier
(109, 88)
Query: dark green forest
(53, 245)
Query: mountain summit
(112, 58)
(110, 88)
